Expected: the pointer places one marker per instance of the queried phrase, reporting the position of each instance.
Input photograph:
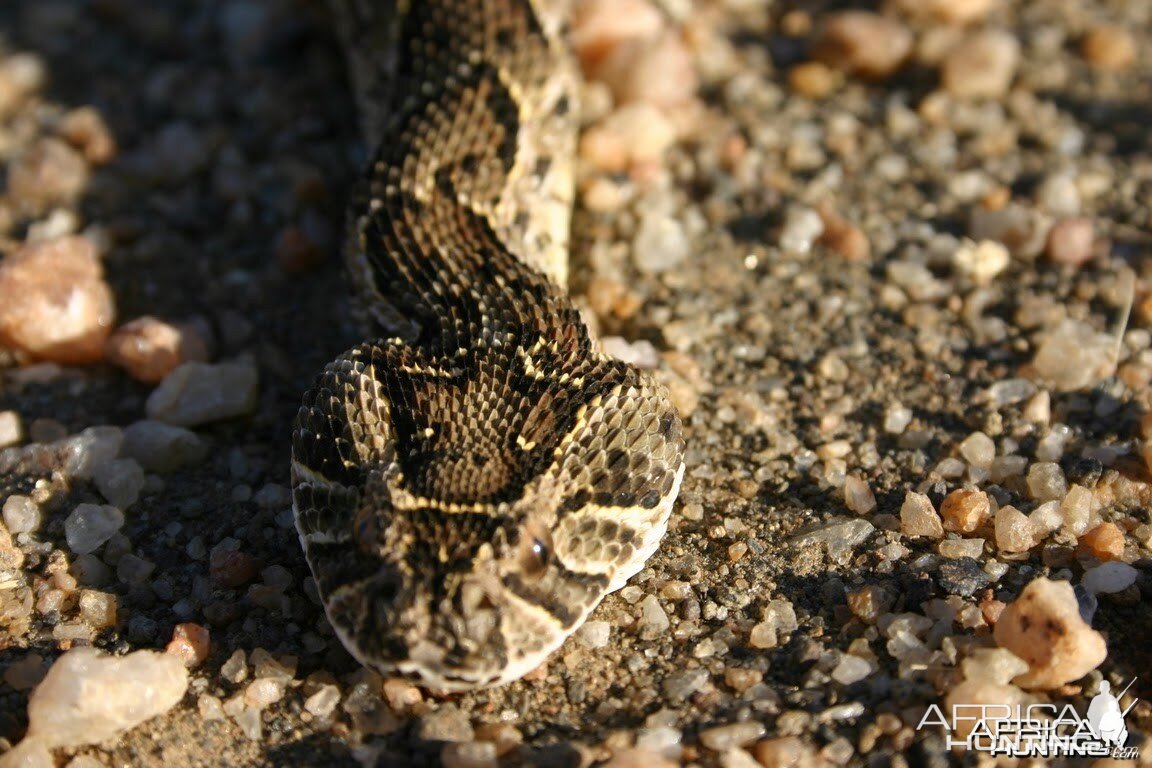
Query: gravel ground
(885, 259)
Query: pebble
(1044, 628)
(655, 69)
(1070, 241)
(1105, 541)
(964, 510)
(120, 482)
(86, 129)
(638, 758)
(653, 621)
(1109, 578)
(635, 135)
(21, 75)
(600, 26)
(160, 447)
(149, 349)
(956, 12)
(813, 79)
(986, 675)
(1074, 356)
(25, 672)
(1109, 48)
(983, 261)
(1077, 508)
(802, 228)
(897, 418)
(54, 303)
(852, 669)
(678, 686)
(863, 43)
(840, 536)
(1046, 481)
(21, 514)
(49, 173)
(659, 245)
(447, 723)
(231, 568)
(98, 609)
(1058, 195)
(11, 431)
(858, 496)
(594, 634)
(982, 65)
(90, 525)
(723, 737)
(1023, 230)
(401, 695)
(471, 754)
(1015, 532)
(197, 393)
(786, 752)
(964, 576)
(235, 669)
(324, 701)
(88, 697)
(869, 603)
(190, 643)
(978, 450)
(918, 517)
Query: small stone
(955, 12)
(978, 450)
(1109, 48)
(54, 303)
(11, 432)
(149, 348)
(47, 174)
(1000, 394)
(1109, 578)
(918, 517)
(98, 608)
(235, 669)
(660, 244)
(851, 669)
(656, 70)
(160, 447)
(897, 418)
(88, 697)
(447, 723)
(964, 576)
(740, 679)
(678, 686)
(21, 514)
(470, 754)
(653, 620)
(197, 393)
(401, 695)
(21, 75)
(190, 643)
(982, 65)
(636, 757)
(813, 79)
(90, 525)
(503, 734)
(263, 692)
(1070, 241)
(1044, 628)
(1105, 542)
(858, 496)
(120, 482)
(1074, 356)
(802, 228)
(601, 26)
(1046, 481)
(209, 707)
(972, 548)
(863, 43)
(634, 136)
(983, 261)
(965, 511)
(869, 603)
(840, 536)
(85, 129)
(594, 634)
(1014, 531)
(1077, 509)
(785, 752)
(133, 569)
(324, 701)
(723, 737)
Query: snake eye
(535, 550)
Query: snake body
(473, 480)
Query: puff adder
(471, 482)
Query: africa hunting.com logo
(1039, 730)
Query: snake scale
(473, 480)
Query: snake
(470, 482)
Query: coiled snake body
(469, 484)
